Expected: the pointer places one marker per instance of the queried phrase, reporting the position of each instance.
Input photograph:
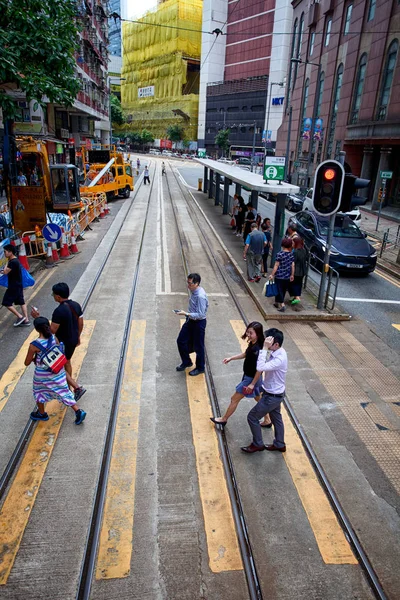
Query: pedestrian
(21, 179)
(300, 269)
(235, 210)
(240, 216)
(266, 229)
(253, 252)
(291, 231)
(48, 385)
(14, 293)
(67, 323)
(191, 336)
(138, 164)
(283, 272)
(162, 168)
(146, 178)
(250, 218)
(255, 337)
(272, 361)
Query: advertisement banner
(318, 129)
(165, 144)
(307, 128)
(28, 207)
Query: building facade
(345, 92)
(249, 57)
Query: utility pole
(254, 146)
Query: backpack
(53, 356)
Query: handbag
(233, 221)
(271, 288)
(53, 358)
(27, 279)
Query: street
(375, 299)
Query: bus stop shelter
(252, 182)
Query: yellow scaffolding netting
(156, 54)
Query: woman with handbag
(49, 380)
(283, 272)
(255, 336)
(300, 269)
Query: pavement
(389, 258)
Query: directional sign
(386, 174)
(52, 232)
(274, 168)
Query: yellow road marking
(387, 277)
(328, 533)
(223, 549)
(14, 371)
(22, 494)
(115, 547)
(29, 299)
(396, 326)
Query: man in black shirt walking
(14, 293)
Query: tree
(37, 43)
(117, 116)
(175, 133)
(138, 138)
(146, 136)
(222, 140)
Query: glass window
(312, 42)
(292, 65)
(303, 116)
(348, 19)
(328, 31)
(371, 10)
(300, 40)
(128, 171)
(387, 79)
(320, 93)
(120, 171)
(358, 89)
(334, 111)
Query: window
(128, 171)
(334, 111)
(320, 93)
(291, 70)
(387, 80)
(328, 31)
(312, 42)
(358, 90)
(348, 19)
(371, 10)
(300, 40)
(303, 116)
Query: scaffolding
(161, 63)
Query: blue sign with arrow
(52, 232)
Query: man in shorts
(67, 325)
(14, 293)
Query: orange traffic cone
(73, 247)
(49, 257)
(22, 253)
(64, 252)
(54, 252)
(102, 215)
(106, 209)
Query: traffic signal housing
(349, 196)
(328, 186)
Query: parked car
(242, 160)
(294, 202)
(155, 152)
(350, 250)
(354, 214)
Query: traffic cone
(73, 248)
(64, 252)
(49, 257)
(54, 252)
(102, 215)
(22, 254)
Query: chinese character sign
(145, 92)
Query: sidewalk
(388, 221)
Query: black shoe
(195, 372)
(79, 393)
(222, 423)
(182, 366)
(37, 416)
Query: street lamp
(314, 115)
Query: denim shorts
(245, 382)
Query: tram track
(255, 591)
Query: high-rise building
(114, 28)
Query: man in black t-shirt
(66, 325)
(14, 293)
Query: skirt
(51, 386)
(245, 382)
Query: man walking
(253, 252)
(191, 336)
(14, 293)
(146, 178)
(67, 325)
(274, 368)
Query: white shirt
(274, 368)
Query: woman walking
(283, 272)
(240, 216)
(300, 269)
(48, 385)
(255, 336)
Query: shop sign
(59, 149)
(146, 92)
(274, 168)
(28, 207)
(386, 174)
(201, 152)
(166, 144)
(278, 101)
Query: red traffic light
(329, 174)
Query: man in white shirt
(272, 361)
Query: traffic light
(328, 185)
(349, 196)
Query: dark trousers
(267, 405)
(283, 287)
(191, 339)
(265, 261)
(146, 179)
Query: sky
(137, 8)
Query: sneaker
(37, 416)
(251, 280)
(80, 416)
(26, 323)
(19, 322)
(79, 393)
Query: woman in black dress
(240, 216)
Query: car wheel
(313, 262)
(290, 205)
(127, 192)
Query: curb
(374, 213)
(388, 270)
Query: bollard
(200, 185)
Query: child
(46, 384)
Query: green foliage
(147, 136)
(37, 43)
(175, 133)
(117, 116)
(138, 138)
(222, 139)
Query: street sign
(274, 168)
(386, 174)
(52, 232)
(201, 152)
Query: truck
(107, 171)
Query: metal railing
(332, 280)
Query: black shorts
(69, 350)
(13, 296)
